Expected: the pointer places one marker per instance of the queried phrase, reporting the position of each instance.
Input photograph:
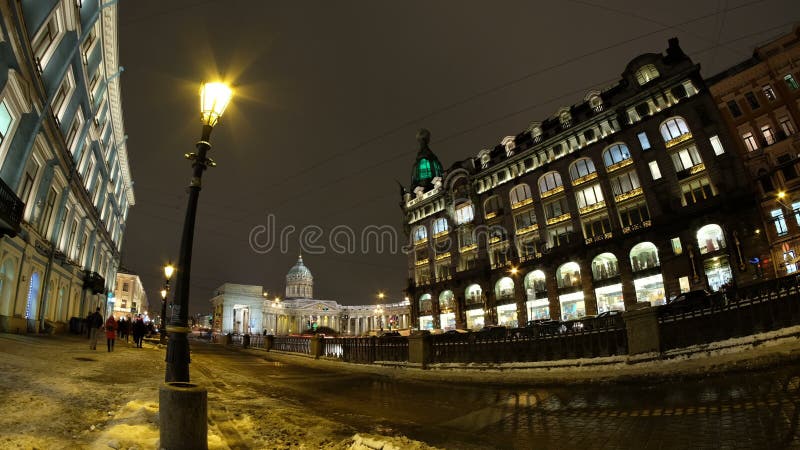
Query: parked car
(609, 313)
(456, 331)
(389, 333)
(494, 331)
(544, 326)
(692, 300)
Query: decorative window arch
(710, 238)
(420, 234)
(446, 300)
(509, 144)
(535, 284)
(582, 167)
(594, 100)
(474, 293)
(504, 288)
(644, 255)
(440, 225)
(568, 275)
(615, 154)
(550, 181)
(605, 265)
(425, 302)
(491, 207)
(485, 157)
(520, 193)
(646, 73)
(460, 187)
(564, 117)
(536, 131)
(673, 128)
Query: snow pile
(373, 442)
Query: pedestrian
(138, 332)
(111, 332)
(88, 323)
(95, 321)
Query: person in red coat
(111, 332)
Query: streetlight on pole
(169, 269)
(214, 98)
(183, 407)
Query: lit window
(686, 158)
(624, 183)
(654, 170)
(646, 73)
(491, 207)
(769, 136)
(780, 222)
(464, 213)
(796, 210)
(696, 191)
(710, 238)
(420, 234)
(520, 193)
(673, 128)
(733, 107)
(615, 154)
(581, 168)
(683, 282)
(5, 120)
(525, 219)
(440, 226)
(791, 82)
(589, 196)
(44, 43)
(716, 144)
(768, 92)
(676, 245)
(750, 141)
(643, 140)
(752, 100)
(549, 181)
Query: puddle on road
(83, 358)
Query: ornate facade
(65, 184)
(634, 195)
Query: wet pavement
(737, 410)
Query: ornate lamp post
(169, 269)
(214, 98)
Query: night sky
(330, 95)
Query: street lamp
(214, 98)
(169, 269)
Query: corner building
(630, 196)
(65, 183)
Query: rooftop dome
(299, 281)
(427, 165)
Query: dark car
(544, 326)
(389, 334)
(692, 300)
(494, 331)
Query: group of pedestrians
(113, 328)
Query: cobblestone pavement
(756, 410)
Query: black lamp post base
(177, 355)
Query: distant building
(633, 195)
(758, 99)
(129, 297)
(65, 184)
(242, 309)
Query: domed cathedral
(299, 281)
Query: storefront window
(609, 298)
(650, 289)
(425, 302)
(718, 272)
(473, 294)
(535, 285)
(504, 289)
(569, 275)
(448, 321)
(572, 306)
(605, 266)
(507, 315)
(446, 301)
(426, 323)
(644, 256)
(710, 239)
(475, 319)
(538, 309)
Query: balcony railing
(11, 208)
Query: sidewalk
(741, 354)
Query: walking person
(95, 321)
(138, 332)
(111, 332)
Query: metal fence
(295, 344)
(366, 350)
(745, 311)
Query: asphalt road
(756, 410)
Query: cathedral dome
(299, 281)
(427, 165)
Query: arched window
(446, 300)
(710, 238)
(460, 189)
(464, 213)
(615, 154)
(504, 289)
(7, 276)
(424, 169)
(519, 194)
(674, 127)
(568, 275)
(509, 144)
(473, 294)
(535, 284)
(420, 234)
(646, 73)
(644, 255)
(425, 302)
(491, 207)
(605, 266)
(549, 182)
(581, 168)
(440, 226)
